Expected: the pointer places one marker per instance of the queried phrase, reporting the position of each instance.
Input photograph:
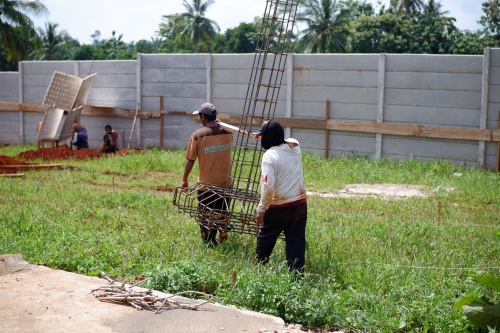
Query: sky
(140, 19)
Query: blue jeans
(292, 221)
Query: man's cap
(261, 129)
(206, 109)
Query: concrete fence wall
(432, 90)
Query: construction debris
(142, 298)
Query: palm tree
(433, 9)
(327, 27)
(13, 21)
(51, 41)
(192, 25)
(407, 6)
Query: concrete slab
(43, 300)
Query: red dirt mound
(6, 160)
(60, 153)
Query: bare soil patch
(385, 191)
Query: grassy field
(372, 265)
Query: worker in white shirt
(282, 206)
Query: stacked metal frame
(236, 203)
(65, 98)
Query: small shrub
(480, 310)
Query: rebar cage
(235, 205)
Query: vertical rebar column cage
(268, 68)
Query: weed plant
(372, 264)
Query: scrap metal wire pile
(142, 299)
(240, 196)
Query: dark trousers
(292, 221)
(212, 208)
(110, 149)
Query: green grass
(372, 265)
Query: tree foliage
(192, 26)
(242, 39)
(14, 22)
(327, 27)
(491, 19)
(324, 26)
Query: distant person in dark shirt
(81, 136)
(111, 141)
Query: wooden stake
(113, 184)
(233, 278)
(133, 124)
(439, 211)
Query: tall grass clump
(373, 264)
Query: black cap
(261, 129)
(272, 134)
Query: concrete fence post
(208, 96)
(289, 92)
(380, 104)
(21, 100)
(138, 127)
(484, 102)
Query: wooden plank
(104, 111)
(31, 166)
(32, 107)
(12, 175)
(9, 106)
(457, 133)
(302, 123)
(307, 123)
(6, 106)
(438, 132)
(495, 134)
(235, 129)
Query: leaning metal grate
(268, 69)
(65, 95)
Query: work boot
(208, 237)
